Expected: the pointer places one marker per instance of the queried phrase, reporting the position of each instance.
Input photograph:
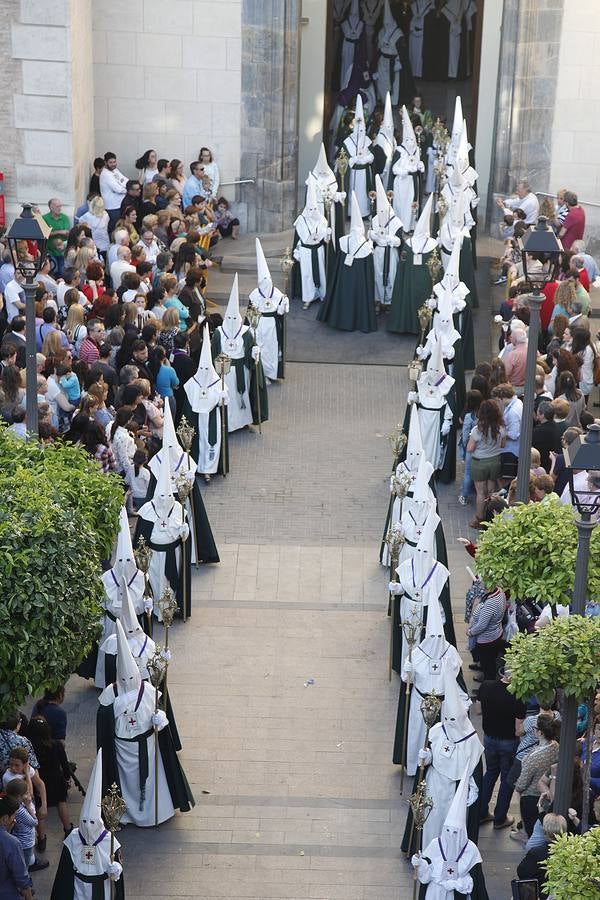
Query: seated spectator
(531, 866)
(546, 435)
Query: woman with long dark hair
(147, 166)
(54, 768)
(485, 444)
(566, 389)
(585, 353)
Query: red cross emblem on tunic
(446, 749)
(131, 721)
(89, 855)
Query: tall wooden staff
(143, 557)
(168, 607)
(157, 667)
(394, 540)
(431, 705)
(113, 810)
(411, 629)
(421, 805)
(254, 316)
(184, 489)
(222, 367)
(185, 433)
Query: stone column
(51, 55)
(527, 82)
(269, 131)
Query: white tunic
(359, 156)
(167, 528)
(383, 237)
(419, 588)
(388, 57)
(311, 232)
(112, 605)
(419, 9)
(133, 717)
(89, 863)
(428, 676)
(433, 405)
(408, 163)
(453, 10)
(449, 869)
(352, 29)
(239, 408)
(272, 301)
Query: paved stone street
(279, 680)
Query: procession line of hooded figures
(179, 534)
(387, 263)
(448, 756)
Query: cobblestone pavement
(279, 680)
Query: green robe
(349, 304)
(411, 289)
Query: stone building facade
(243, 77)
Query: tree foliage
(58, 519)
(573, 866)
(564, 654)
(530, 550)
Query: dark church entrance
(428, 48)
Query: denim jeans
(537, 839)
(499, 757)
(467, 484)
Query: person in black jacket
(546, 434)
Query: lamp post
(29, 227)
(583, 456)
(540, 245)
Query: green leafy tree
(58, 519)
(565, 654)
(573, 867)
(530, 550)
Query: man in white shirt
(120, 239)
(122, 265)
(72, 279)
(14, 297)
(113, 187)
(150, 245)
(525, 200)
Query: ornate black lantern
(540, 252)
(584, 455)
(29, 226)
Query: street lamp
(32, 228)
(540, 251)
(583, 455)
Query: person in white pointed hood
(384, 146)
(407, 170)
(273, 305)
(457, 124)
(426, 669)
(393, 71)
(385, 232)
(327, 193)
(418, 11)
(353, 31)
(450, 284)
(360, 159)
(419, 577)
(123, 570)
(370, 11)
(162, 522)
(454, 748)
(85, 870)
(408, 471)
(246, 375)
(454, 291)
(454, 11)
(142, 647)
(311, 235)
(349, 304)
(126, 726)
(416, 508)
(453, 226)
(204, 394)
(446, 863)
(436, 415)
(442, 330)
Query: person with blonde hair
(96, 218)
(153, 413)
(150, 193)
(52, 343)
(74, 326)
(171, 300)
(171, 326)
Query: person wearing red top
(548, 304)
(574, 223)
(89, 352)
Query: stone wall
(575, 157)
(82, 92)
(10, 138)
(167, 77)
(269, 129)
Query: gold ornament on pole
(157, 669)
(434, 264)
(397, 440)
(343, 161)
(167, 606)
(430, 708)
(254, 316)
(185, 433)
(222, 368)
(411, 630)
(184, 488)
(143, 557)
(421, 805)
(424, 315)
(394, 540)
(113, 810)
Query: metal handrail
(240, 181)
(579, 200)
